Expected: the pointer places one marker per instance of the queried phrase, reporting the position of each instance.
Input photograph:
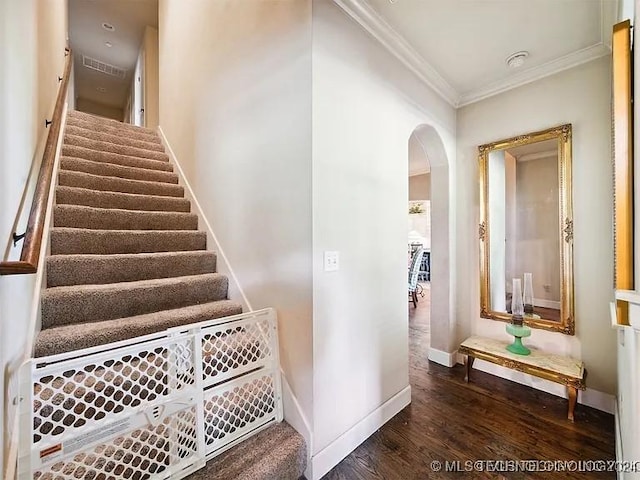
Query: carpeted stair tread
(70, 178)
(63, 270)
(74, 151)
(67, 338)
(276, 453)
(117, 139)
(113, 170)
(99, 122)
(98, 146)
(81, 303)
(125, 201)
(78, 216)
(65, 241)
(136, 133)
(126, 260)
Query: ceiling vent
(105, 68)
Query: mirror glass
(526, 210)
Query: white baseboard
(235, 289)
(589, 397)
(293, 413)
(619, 446)
(342, 446)
(541, 302)
(443, 358)
(598, 400)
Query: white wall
(366, 105)
(33, 37)
(497, 226)
(95, 108)
(235, 105)
(137, 92)
(628, 347)
(580, 96)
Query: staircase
(127, 259)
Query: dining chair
(414, 272)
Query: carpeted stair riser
(69, 178)
(66, 241)
(142, 135)
(111, 170)
(73, 151)
(92, 303)
(75, 216)
(106, 147)
(276, 453)
(100, 122)
(126, 260)
(115, 170)
(63, 270)
(73, 337)
(117, 139)
(125, 201)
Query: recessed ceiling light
(101, 89)
(517, 59)
(108, 44)
(108, 27)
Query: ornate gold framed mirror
(622, 142)
(526, 228)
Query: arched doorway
(426, 147)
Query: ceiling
(87, 37)
(460, 47)
(532, 151)
(418, 162)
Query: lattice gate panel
(232, 349)
(137, 449)
(131, 412)
(235, 408)
(151, 408)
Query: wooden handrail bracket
(32, 245)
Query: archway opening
(419, 241)
(429, 178)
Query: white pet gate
(153, 407)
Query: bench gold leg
(468, 364)
(572, 393)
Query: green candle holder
(519, 332)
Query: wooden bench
(564, 370)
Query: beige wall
(551, 101)
(420, 187)
(151, 73)
(366, 105)
(32, 41)
(89, 106)
(235, 105)
(538, 232)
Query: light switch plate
(331, 261)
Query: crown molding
(362, 12)
(373, 23)
(608, 13)
(536, 73)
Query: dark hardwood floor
(488, 419)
